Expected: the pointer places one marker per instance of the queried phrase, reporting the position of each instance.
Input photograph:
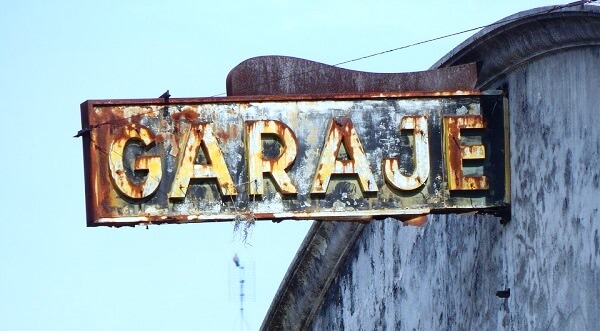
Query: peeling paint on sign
(338, 157)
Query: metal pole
(242, 296)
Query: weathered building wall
(436, 277)
(446, 274)
(552, 245)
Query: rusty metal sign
(337, 157)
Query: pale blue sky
(56, 274)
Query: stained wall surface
(445, 275)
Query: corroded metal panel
(342, 157)
(277, 75)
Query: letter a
(201, 136)
(341, 131)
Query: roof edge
(321, 254)
(517, 39)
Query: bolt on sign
(337, 157)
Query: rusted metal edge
(350, 216)
(88, 105)
(87, 167)
(293, 97)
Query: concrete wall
(446, 274)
